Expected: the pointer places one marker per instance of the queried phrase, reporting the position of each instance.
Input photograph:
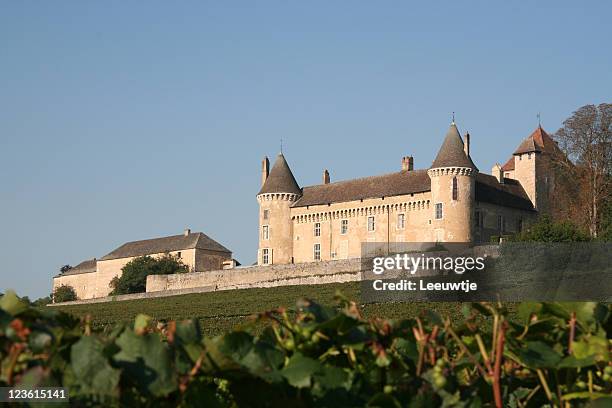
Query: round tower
(278, 193)
(453, 179)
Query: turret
(532, 167)
(277, 195)
(452, 176)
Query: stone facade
(455, 203)
(91, 279)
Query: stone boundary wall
(268, 276)
(136, 296)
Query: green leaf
(142, 322)
(407, 348)
(300, 369)
(146, 360)
(382, 400)
(592, 347)
(11, 304)
(526, 309)
(92, 372)
(537, 354)
(188, 332)
(330, 377)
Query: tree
(545, 230)
(64, 293)
(134, 274)
(43, 301)
(586, 140)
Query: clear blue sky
(125, 120)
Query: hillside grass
(221, 311)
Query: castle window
(178, 254)
(501, 223)
(371, 224)
(479, 219)
(519, 225)
(265, 256)
(343, 227)
(401, 221)
(266, 214)
(317, 229)
(317, 252)
(265, 232)
(439, 213)
(455, 189)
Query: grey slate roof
(87, 266)
(280, 179)
(488, 189)
(451, 154)
(193, 240)
(509, 194)
(393, 184)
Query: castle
(451, 201)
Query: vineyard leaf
(264, 360)
(141, 323)
(592, 347)
(236, 345)
(11, 304)
(381, 400)
(146, 359)
(188, 332)
(299, 370)
(537, 354)
(92, 371)
(330, 377)
(526, 309)
(407, 348)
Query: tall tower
(278, 193)
(532, 168)
(453, 176)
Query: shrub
(64, 293)
(134, 274)
(316, 356)
(545, 230)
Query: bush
(545, 230)
(64, 293)
(134, 274)
(316, 356)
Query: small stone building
(91, 278)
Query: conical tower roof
(451, 154)
(281, 179)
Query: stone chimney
(407, 163)
(466, 144)
(498, 173)
(265, 170)
(325, 176)
(186, 232)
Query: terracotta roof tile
(509, 164)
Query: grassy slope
(221, 311)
